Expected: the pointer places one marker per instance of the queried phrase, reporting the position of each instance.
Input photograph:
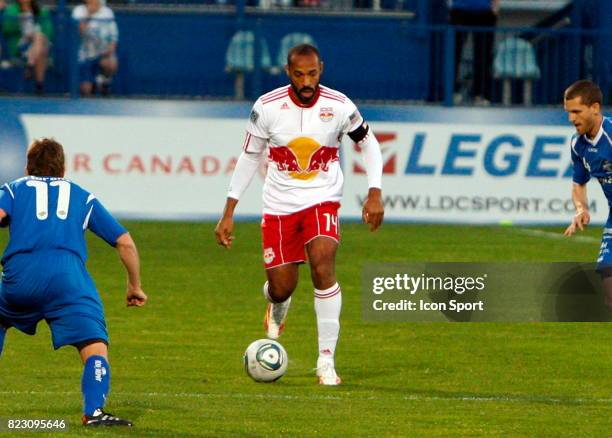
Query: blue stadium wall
(393, 57)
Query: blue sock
(95, 383)
(2, 335)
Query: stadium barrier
(173, 160)
(400, 57)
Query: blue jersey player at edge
(44, 274)
(591, 157)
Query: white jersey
(101, 31)
(303, 146)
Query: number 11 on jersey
(42, 198)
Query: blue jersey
(593, 158)
(47, 213)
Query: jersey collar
(297, 101)
(599, 134)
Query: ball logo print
(265, 360)
(303, 158)
(270, 357)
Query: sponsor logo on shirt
(303, 158)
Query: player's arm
(582, 216)
(6, 205)
(246, 167)
(580, 177)
(105, 226)
(245, 170)
(128, 253)
(373, 209)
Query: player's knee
(92, 348)
(323, 274)
(279, 291)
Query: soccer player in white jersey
(301, 126)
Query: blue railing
(392, 57)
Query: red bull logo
(303, 158)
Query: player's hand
(373, 210)
(136, 297)
(579, 221)
(224, 230)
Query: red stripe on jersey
(333, 93)
(323, 94)
(282, 96)
(274, 92)
(270, 97)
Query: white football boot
(274, 320)
(327, 372)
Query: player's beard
(305, 100)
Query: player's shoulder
(331, 94)
(276, 94)
(577, 142)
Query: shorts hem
(297, 262)
(80, 341)
(321, 235)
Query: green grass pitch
(177, 363)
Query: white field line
(347, 397)
(557, 236)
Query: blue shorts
(89, 69)
(604, 259)
(56, 287)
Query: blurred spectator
(475, 13)
(27, 28)
(97, 52)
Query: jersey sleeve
(103, 224)
(581, 174)
(353, 119)
(257, 125)
(7, 197)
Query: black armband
(360, 133)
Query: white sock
(328, 303)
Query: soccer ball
(265, 360)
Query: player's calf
(276, 314)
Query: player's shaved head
(588, 92)
(303, 50)
(45, 158)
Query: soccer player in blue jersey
(44, 275)
(591, 157)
